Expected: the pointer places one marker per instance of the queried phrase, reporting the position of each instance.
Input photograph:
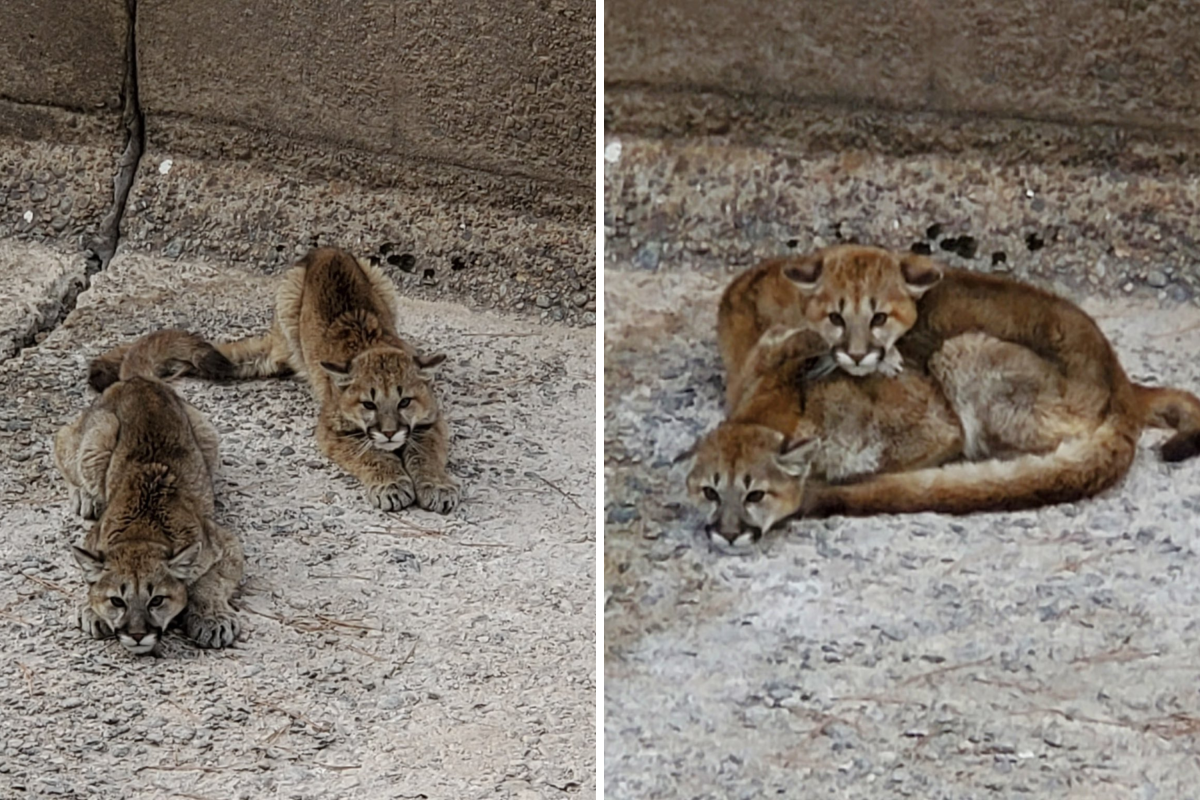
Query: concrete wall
(453, 142)
(495, 85)
(63, 53)
(1130, 63)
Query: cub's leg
(82, 451)
(1010, 400)
(388, 486)
(91, 624)
(210, 620)
(425, 457)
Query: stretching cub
(335, 324)
(141, 459)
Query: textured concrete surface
(1123, 63)
(64, 53)
(436, 244)
(1045, 653)
(38, 285)
(495, 85)
(707, 204)
(383, 656)
(57, 192)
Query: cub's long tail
(1174, 409)
(263, 356)
(165, 354)
(1078, 468)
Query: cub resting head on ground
(141, 459)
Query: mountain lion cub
(141, 459)
(335, 324)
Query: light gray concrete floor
(1049, 653)
(383, 655)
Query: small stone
(37, 193)
(287, 451)
(580, 299)
(72, 702)
(59, 223)
(542, 301)
(1156, 278)
(647, 258)
(174, 249)
(621, 514)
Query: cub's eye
(711, 494)
(836, 319)
(368, 405)
(156, 601)
(755, 496)
(878, 319)
(404, 403)
(117, 602)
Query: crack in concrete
(103, 246)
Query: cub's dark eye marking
(368, 405)
(117, 602)
(755, 496)
(878, 320)
(836, 319)
(155, 602)
(711, 494)
(405, 402)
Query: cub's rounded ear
(185, 565)
(796, 454)
(426, 365)
(91, 563)
(804, 271)
(339, 373)
(920, 273)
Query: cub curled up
(141, 460)
(1043, 411)
(335, 324)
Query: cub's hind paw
(439, 497)
(91, 624)
(217, 630)
(392, 496)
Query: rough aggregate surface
(1049, 653)
(383, 655)
(449, 240)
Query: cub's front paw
(440, 497)
(392, 496)
(218, 629)
(85, 504)
(892, 364)
(91, 624)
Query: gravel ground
(1048, 653)
(383, 656)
